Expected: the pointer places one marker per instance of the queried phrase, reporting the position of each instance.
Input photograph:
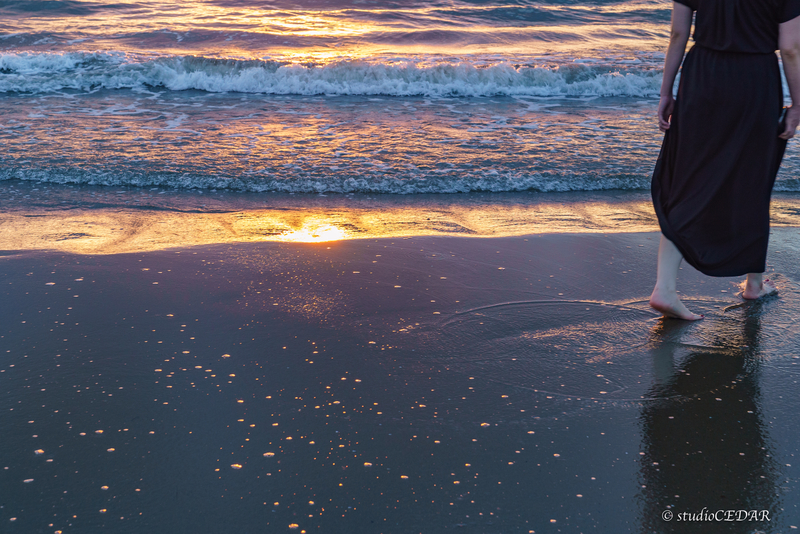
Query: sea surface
(343, 96)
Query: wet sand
(106, 220)
(396, 384)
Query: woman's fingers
(792, 120)
(663, 122)
(665, 107)
(789, 132)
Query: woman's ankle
(754, 281)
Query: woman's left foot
(753, 292)
(670, 305)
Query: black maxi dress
(713, 179)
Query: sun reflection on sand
(314, 232)
(116, 230)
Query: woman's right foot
(753, 291)
(672, 307)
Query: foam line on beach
(365, 178)
(368, 180)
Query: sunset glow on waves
(335, 96)
(341, 28)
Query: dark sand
(398, 385)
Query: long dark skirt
(713, 179)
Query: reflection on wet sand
(98, 220)
(121, 229)
(705, 441)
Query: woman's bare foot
(665, 295)
(670, 305)
(753, 290)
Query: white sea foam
(463, 183)
(413, 183)
(25, 72)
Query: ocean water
(344, 96)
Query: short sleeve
(693, 3)
(791, 9)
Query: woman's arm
(679, 36)
(789, 43)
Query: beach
(515, 383)
(368, 267)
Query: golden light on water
(354, 30)
(114, 231)
(313, 25)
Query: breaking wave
(37, 73)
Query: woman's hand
(679, 36)
(792, 120)
(665, 107)
(789, 43)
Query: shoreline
(101, 220)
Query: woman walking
(724, 140)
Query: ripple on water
(766, 328)
(582, 349)
(609, 351)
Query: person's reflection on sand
(705, 444)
